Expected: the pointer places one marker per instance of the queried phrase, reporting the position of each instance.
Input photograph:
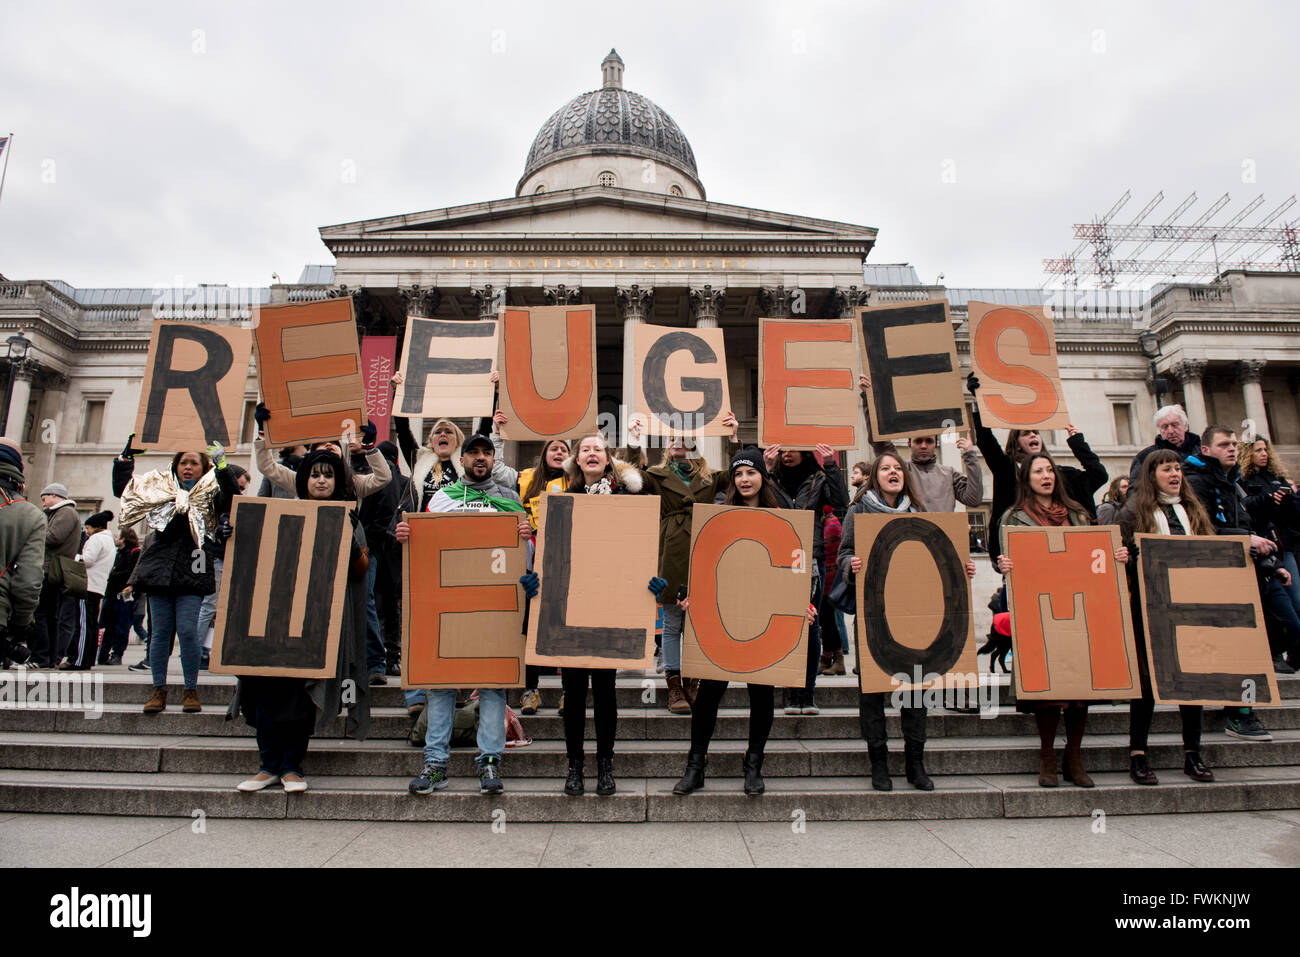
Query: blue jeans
(1293, 589)
(375, 660)
(674, 622)
(814, 644)
(208, 610)
(416, 696)
(176, 615)
(491, 724)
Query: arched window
(541, 188)
(606, 178)
(675, 190)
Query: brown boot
(677, 703)
(824, 668)
(1047, 767)
(1046, 718)
(1074, 722)
(190, 702)
(837, 664)
(690, 688)
(157, 702)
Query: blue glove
(657, 585)
(530, 583)
(368, 433)
(261, 414)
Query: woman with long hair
(591, 471)
(284, 711)
(547, 475)
(1042, 499)
(181, 505)
(1112, 501)
(752, 488)
(1160, 504)
(1273, 494)
(888, 490)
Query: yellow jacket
(533, 505)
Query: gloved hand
(530, 583)
(218, 455)
(128, 452)
(368, 434)
(657, 585)
(261, 414)
(973, 383)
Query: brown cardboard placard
(309, 367)
(595, 555)
(1013, 352)
(547, 360)
(193, 392)
(910, 355)
(280, 609)
(914, 625)
(750, 586)
(679, 381)
(462, 625)
(1071, 624)
(446, 368)
(1205, 636)
(808, 383)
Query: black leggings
(604, 706)
(1139, 723)
(704, 715)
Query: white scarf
(1162, 523)
(875, 503)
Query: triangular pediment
(597, 210)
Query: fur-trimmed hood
(625, 473)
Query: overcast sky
(210, 141)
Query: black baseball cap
(474, 439)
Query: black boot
(605, 776)
(879, 755)
(916, 767)
(573, 785)
(754, 773)
(693, 779)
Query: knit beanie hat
(11, 454)
(751, 456)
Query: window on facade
(248, 424)
(675, 190)
(92, 422)
(540, 189)
(1123, 413)
(606, 178)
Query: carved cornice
(1189, 370)
(731, 249)
(634, 302)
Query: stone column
(706, 307)
(1251, 372)
(490, 302)
(845, 303)
(19, 397)
(44, 466)
(634, 304)
(1191, 373)
(562, 295)
(775, 301)
(420, 302)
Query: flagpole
(9, 146)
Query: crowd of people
(72, 592)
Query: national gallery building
(611, 210)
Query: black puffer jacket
(1284, 516)
(1220, 493)
(169, 565)
(820, 486)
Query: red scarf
(1054, 514)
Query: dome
(614, 121)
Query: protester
(547, 475)
(290, 458)
(175, 571)
(940, 487)
(834, 634)
(1173, 433)
(118, 609)
(1267, 483)
(752, 487)
(285, 478)
(1113, 500)
(59, 612)
(475, 490)
(285, 710)
(592, 472)
(1161, 504)
(1042, 498)
(1004, 463)
(387, 593)
(378, 512)
(890, 489)
(858, 479)
(215, 544)
(97, 554)
(682, 480)
(23, 530)
(808, 480)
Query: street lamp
(18, 346)
(1149, 343)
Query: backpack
(464, 727)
